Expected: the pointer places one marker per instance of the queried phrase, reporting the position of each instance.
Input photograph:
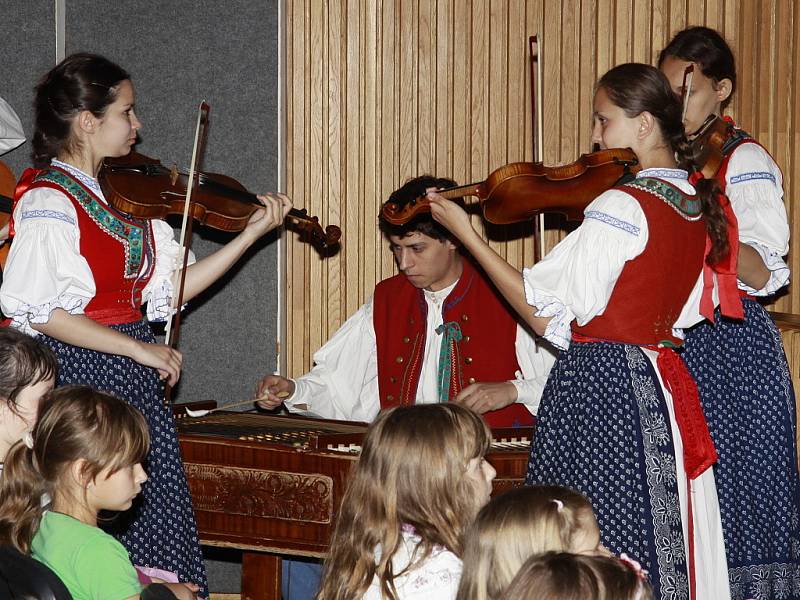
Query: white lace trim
(558, 331)
(158, 305)
(28, 314)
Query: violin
(518, 191)
(707, 143)
(143, 188)
(7, 184)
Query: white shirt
(343, 384)
(576, 279)
(436, 578)
(45, 269)
(755, 189)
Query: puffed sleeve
(343, 384)
(575, 280)
(158, 292)
(45, 269)
(755, 188)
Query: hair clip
(28, 439)
(635, 566)
(559, 504)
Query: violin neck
(459, 192)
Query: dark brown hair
(706, 48)
(638, 88)
(79, 82)
(74, 423)
(24, 362)
(424, 223)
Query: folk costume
(74, 252)
(747, 395)
(407, 346)
(620, 419)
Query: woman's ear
(647, 123)
(86, 122)
(723, 89)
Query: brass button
(471, 380)
(466, 338)
(468, 360)
(464, 318)
(390, 398)
(393, 379)
(411, 321)
(406, 339)
(399, 359)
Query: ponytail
(708, 192)
(21, 489)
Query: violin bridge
(173, 174)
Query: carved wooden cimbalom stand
(272, 485)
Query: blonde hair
(564, 576)
(514, 526)
(74, 423)
(411, 471)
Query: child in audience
(419, 482)
(518, 524)
(85, 452)
(27, 372)
(565, 576)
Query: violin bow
(174, 319)
(686, 90)
(537, 123)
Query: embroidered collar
(663, 173)
(86, 179)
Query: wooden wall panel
(379, 91)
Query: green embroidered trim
(129, 235)
(451, 332)
(690, 206)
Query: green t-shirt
(91, 563)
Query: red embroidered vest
(653, 287)
(486, 351)
(114, 246)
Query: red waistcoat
(486, 351)
(114, 246)
(653, 287)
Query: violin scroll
(308, 225)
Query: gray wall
(179, 52)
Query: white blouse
(436, 578)
(343, 384)
(755, 188)
(576, 279)
(46, 271)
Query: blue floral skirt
(747, 395)
(160, 530)
(604, 429)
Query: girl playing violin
(79, 272)
(739, 365)
(620, 420)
